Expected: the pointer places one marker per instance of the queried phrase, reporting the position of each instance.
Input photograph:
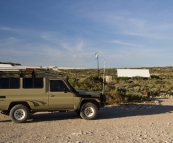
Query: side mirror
(67, 78)
(65, 90)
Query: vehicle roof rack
(8, 69)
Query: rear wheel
(19, 113)
(89, 111)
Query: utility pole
(103, 78)
(98, 65)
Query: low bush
(123, 89)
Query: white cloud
(10, 29)
(80, 46)
(125, 43)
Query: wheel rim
(89, 111)
(19, 114)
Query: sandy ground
(122, 124)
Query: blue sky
(66, 33)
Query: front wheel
(19, 113)
(89, 111)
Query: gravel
(140, 123)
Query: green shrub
(115, 96)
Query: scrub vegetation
(123, 89)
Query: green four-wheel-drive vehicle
(23, 95)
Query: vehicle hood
(86, 93)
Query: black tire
(19, 113)
(89, 111)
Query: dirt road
(123, 124)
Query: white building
(133, 72)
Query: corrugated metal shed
(133, 72)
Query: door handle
(2, 96)
(52, 95)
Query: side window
(5, 83)
(38, 82)
(14, 83)
(27, 83)
(57, 86)
(9, 83)
(32, 82)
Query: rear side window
(32, 82)
(9, 83)
(14, 82)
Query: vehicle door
(60, 97)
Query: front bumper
(102, 104)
